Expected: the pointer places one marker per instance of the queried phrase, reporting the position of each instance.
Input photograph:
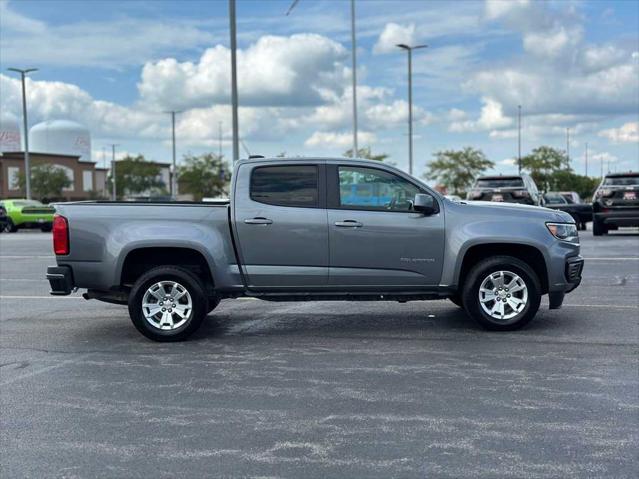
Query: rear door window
(295, 185)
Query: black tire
(46, 228)
(598, 228)
(477, 275)
(11, 228)
(186, 279)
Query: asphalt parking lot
(321, 389)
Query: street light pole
(519, 139)
(173, 186)
(27, 162)
(586, 158)
(114, 195)
(568, 147)
(410, 49)
(236, 137)
(354, 55)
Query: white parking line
(41, 297)
(26, 257)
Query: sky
(116, 67)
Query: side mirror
(425, 204)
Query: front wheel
(502, 293)
(168, 303)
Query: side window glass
(372, 189)
(295, 185)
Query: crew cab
(510, 189)
(616, 202)
(314, 229)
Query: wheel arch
(527, 253)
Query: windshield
(622, 180)
(555, 200)
(500, 183)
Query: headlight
(563, 231)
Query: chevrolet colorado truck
(314, 229)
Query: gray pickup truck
(315, 229)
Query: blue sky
(116, 66)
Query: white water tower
(9, 136)
(61, 136)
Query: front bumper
(60, 279)
(572, 272)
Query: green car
(28, 214)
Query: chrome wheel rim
(503, 295)
(167, 305)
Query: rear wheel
(502, 293)
(168, 303)
(598, 228)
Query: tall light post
(173, 186)
(27, 163)
(354, 59)
(519, 139)
(586, 158)
(410, 49)
(114, 195)
(236, 136)
(568, 147)
(354, 65)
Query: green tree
(47, 181)
(457, 169)
(542, 164)
(567, 180)
(203, 176)
(366, 153)
(135, 175)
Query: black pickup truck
(581, 212)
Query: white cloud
(627, 133)
(491, 117)
(331, 139)
(393, 34)
(495, 9)
(299, 70)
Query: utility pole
(586, 158)
(568, 147)
(354, 48)
(220, 139)
(519, 139)
(410, 49)
(236, 136)
(114, 195)
(27, 162)
(173, 186)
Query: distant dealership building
(81, 173)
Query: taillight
(60, 235)
(603, 192)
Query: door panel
(375, 237)
(281, 246)
(389, 249)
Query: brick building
(81, 173)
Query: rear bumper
(626, 217)
(60, 279)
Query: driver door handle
(259, 220)
(349, 224)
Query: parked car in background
(616, 202)
(4, 220)
(28, 214)
(509, 189)
(571, 196)
(310, 229)
(581, 213)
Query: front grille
(573, 271)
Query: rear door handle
(349, 224)
(258, 221)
